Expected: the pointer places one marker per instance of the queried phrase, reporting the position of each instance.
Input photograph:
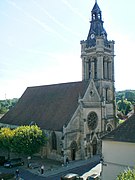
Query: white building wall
(117, 156)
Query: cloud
(74, 10)
(39, 22)
(63, 69)
(55, 20)
(124, 62)
(13, 18)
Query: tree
(3, 110)
(128, 174)
(6, 138)
(5, 105)
(124, 106)
(25, 140)
(130, 96)
(28, 139)
(127, 94)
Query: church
(74, 115)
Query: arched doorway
(73, 153)
(73, 150)
(94, 146)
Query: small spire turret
(96, 27)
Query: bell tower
(97, 54)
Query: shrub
(7, 176)
(128, 174)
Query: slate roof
(96, 27)
(49, 106)
(96, 8)
(124, 132)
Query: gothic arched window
(99, 16)
(54, 141)
(106, 94)
(93, 16)
(95, 69)
(108, 70)
(104, 69)
(92, 120)
(89, 69)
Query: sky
(40, 42)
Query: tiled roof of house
(124, 132)
(49, 106)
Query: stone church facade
(74, 115)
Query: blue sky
(40, 41)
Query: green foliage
(6, 138)
(125, 101)
(126, 94)
(7, 176)
(121, 121)
(5, 105)
(25, 140)
(128, 174)
(130, 96)
(124, 106)
(3, 110)
(28, 139)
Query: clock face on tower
(92, 120)
(92, 36)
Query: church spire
(96, 26)
(96, 12)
